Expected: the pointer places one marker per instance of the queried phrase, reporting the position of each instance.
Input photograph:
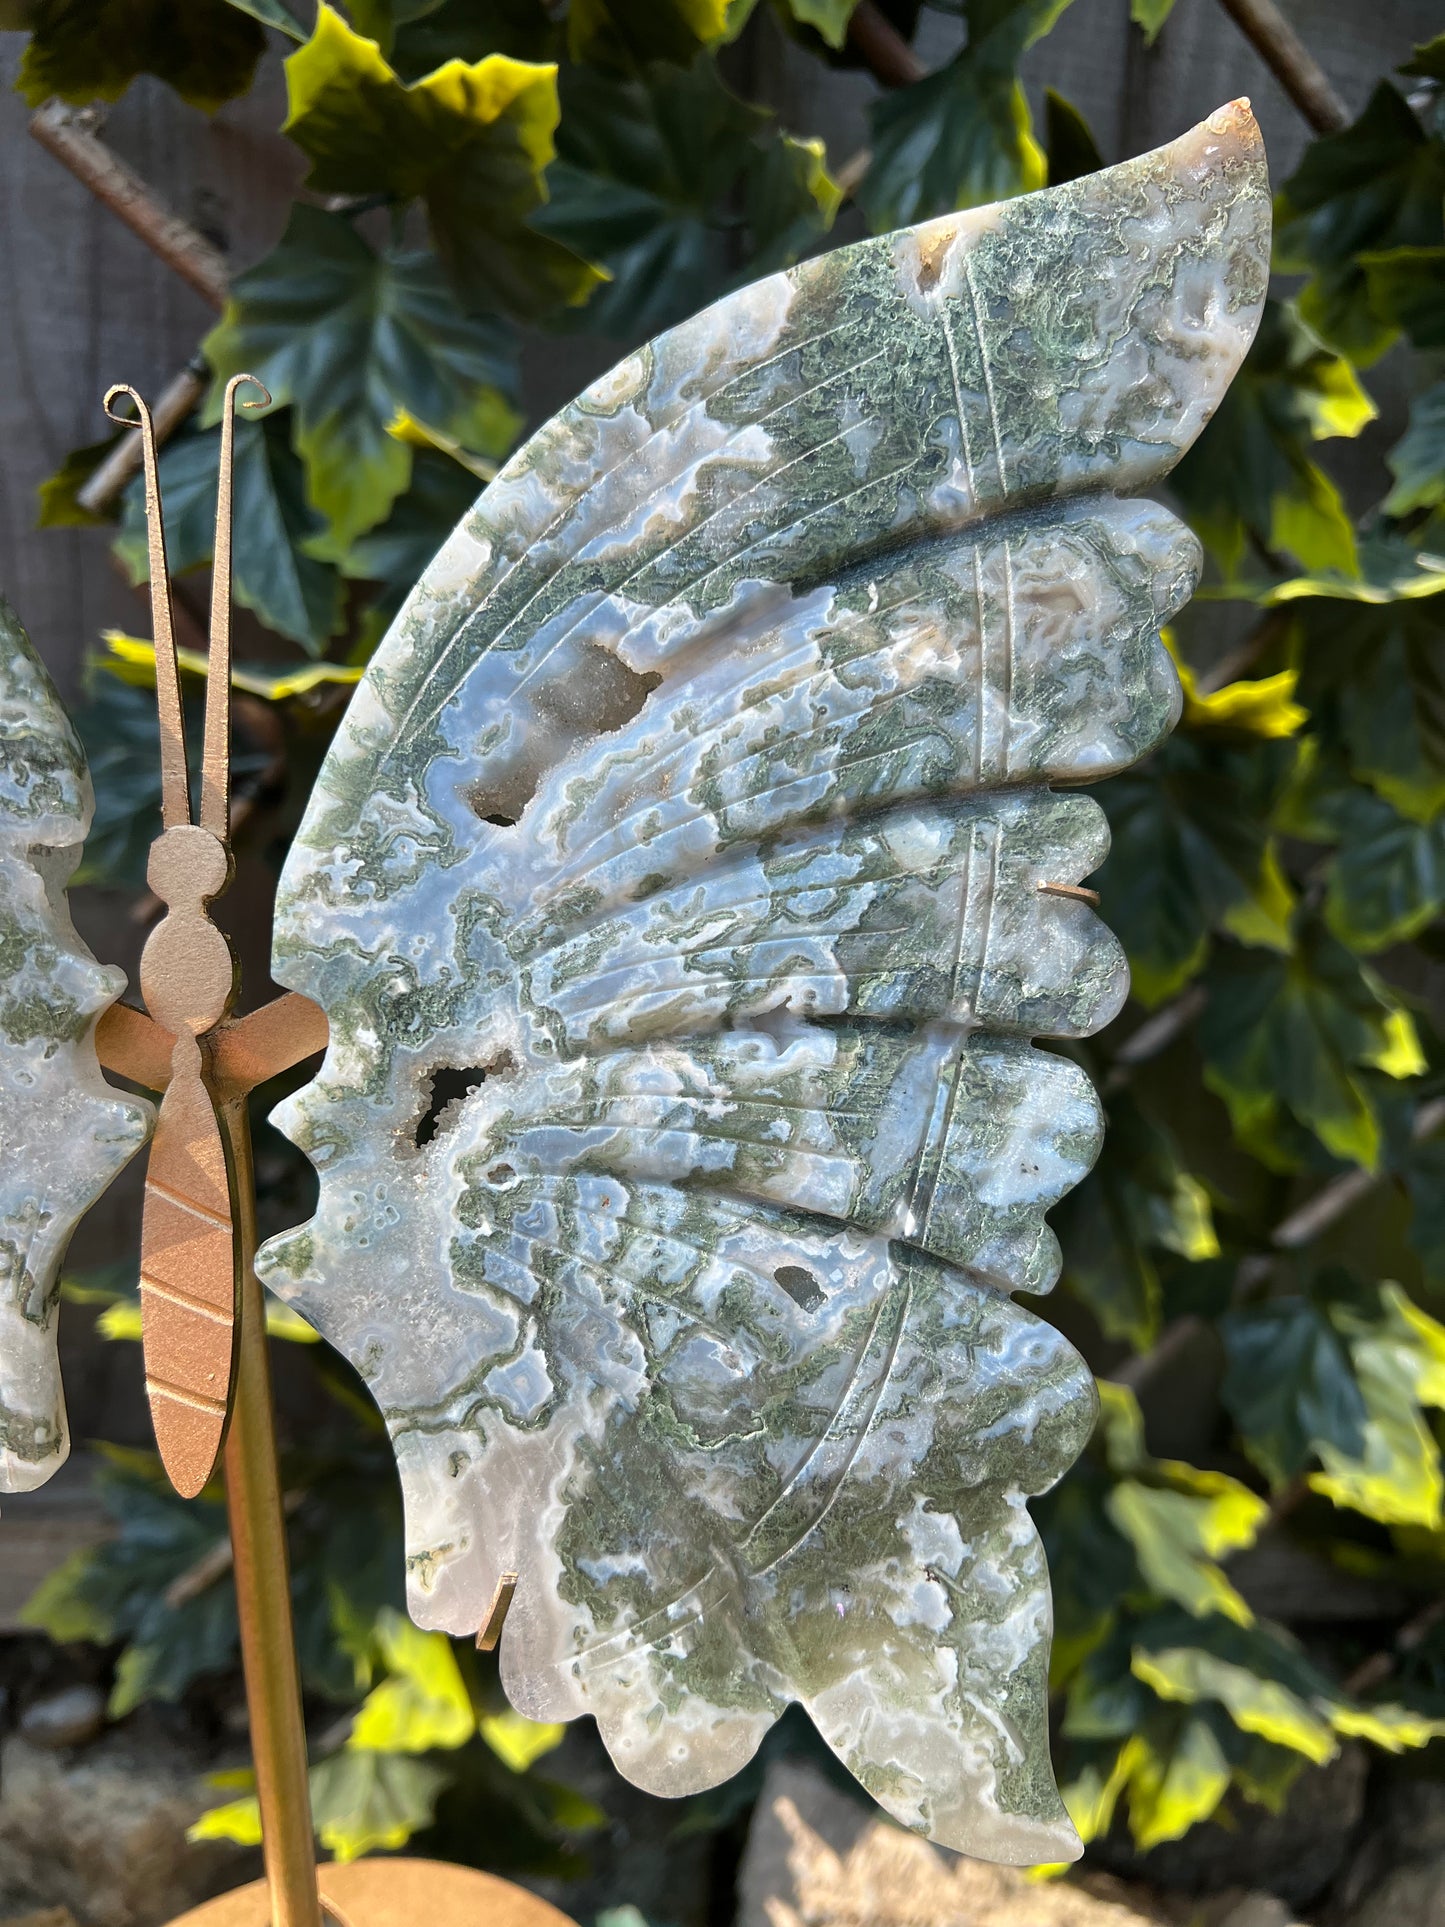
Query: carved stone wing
(64, 1132)
(684, 889)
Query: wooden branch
(66, 133)
(172, 406)
(1291, 63)
(1303, 1226)
(888, 54)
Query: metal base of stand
(392, 1893)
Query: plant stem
(67, 134)
(1291, 62)
(874, 36)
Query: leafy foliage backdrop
(1267, 1215)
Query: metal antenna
(216, 758)
(175, 781)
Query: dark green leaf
(1137, 1202)
(466, 30)
(372, 1802)
(1388, 879)
(395, 553)
(356, 339)
(1289, 1385)
(292, 593)
(1192, 855)
(1406, 288)
(1071, 148)
(649, 179)
(963, 135)
(1417, 461)
(1288, 1037)
(273, 13)
(829, 18)
(472, 142)
(1378, 185)
(1150, 15)
(632, 32)
(1428, 59)
(1373, 678)
(84, 50)
(1251, 474)
(59, 508)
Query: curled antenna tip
(112, 394)
(262, 397)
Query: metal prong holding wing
(190, 1265)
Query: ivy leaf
(395, 553)
(272, 13)
(1179, 1533)
(1373, 678)
(1179, 1520)
(631, 32)
(1177, 1772)
(829, 18)
(1290, 1385)
(1286, 1038)
(1428, 60)
(1387, 882)
(1071, 149)
(1150, 15)
(1376, 186)
(1264, 708)
(354, 339)
(1188, 1674)
(649, 179)
(1269, 1687)
(85, 50)
(292, 593)
(1400, 1367)
(460, 30)
(961, 136)
(1250, 475)
(1406, 289)
(1137, 1201)
(1417, 461)
(1191, 856)
(119, 1591)
(519, 1743)
(423, 1702)
(360, 1802)
(57, 494)
(472, 142)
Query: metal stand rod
(263, 1587)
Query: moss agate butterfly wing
(64, 1132)
(674, 889)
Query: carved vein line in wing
(982, 340)
(616, 1646)
(685, 866)
(852, 1436)
(729, 504)
(947, 326)
(574, 504)
(679, 592)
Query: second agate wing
(675, 890)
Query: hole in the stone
(447, 1090)
(500, 1174)
(595, 696)
(801, 1286)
